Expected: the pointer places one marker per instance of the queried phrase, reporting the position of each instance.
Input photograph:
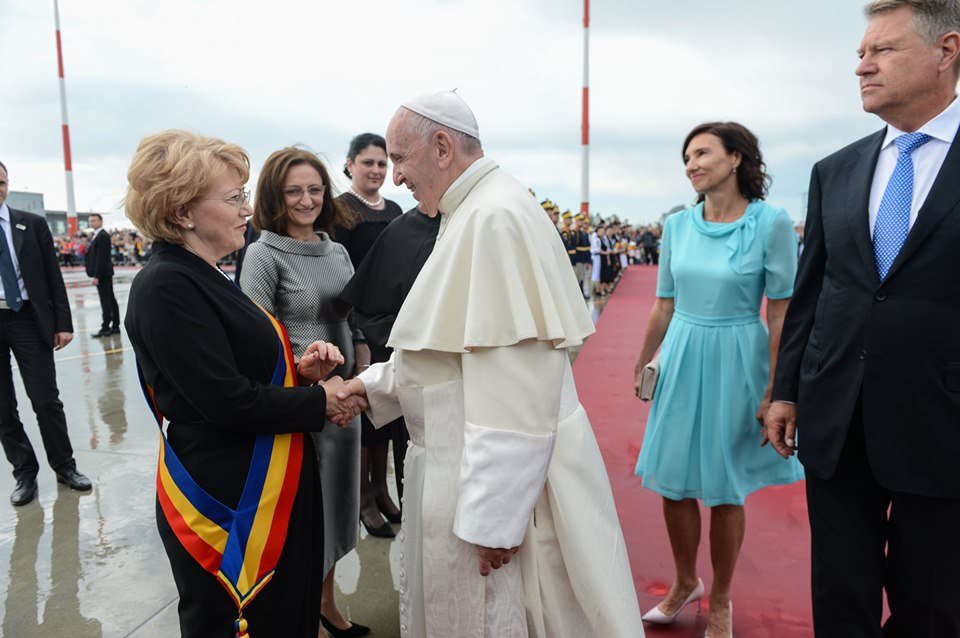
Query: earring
(190, 226)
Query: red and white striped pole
(67, 161)
(585, 125)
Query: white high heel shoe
(657, 617)
(729, 633)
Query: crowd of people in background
(128, 248)
(601, 249)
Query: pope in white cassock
(509, 524)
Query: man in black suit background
(99, 266)
(867, 385)
(34, 321)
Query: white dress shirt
(8, 231)
(927, 160)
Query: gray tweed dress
(299, 282)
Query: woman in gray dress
(296, 272)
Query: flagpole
(65, 127)
(585, 125)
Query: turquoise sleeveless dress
(702, 439)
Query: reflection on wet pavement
(92, 565)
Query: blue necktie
(893, 217)
(11, 289)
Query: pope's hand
(319, 360)
(342, 406)
(490, 558)
(353, 388)
(781, 427)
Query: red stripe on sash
(281, 519)
(201, 551)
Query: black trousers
(19, 335)
(108, 304)
(867, 539)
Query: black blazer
(37, 257)
(895, 345)
(97, 260)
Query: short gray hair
(424, 128)
(932, 19)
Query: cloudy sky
(269, 74)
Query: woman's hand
(761, 415)
(363, 357)
(637, 376)
(318, 361)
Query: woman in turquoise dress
(704, 439)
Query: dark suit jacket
(97, 260)
(894, 345)
(41, 273)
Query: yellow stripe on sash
(206, 530)
(260, 530)
(231, 590)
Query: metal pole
(585, 125)
(67, 161)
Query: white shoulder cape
(498, 275)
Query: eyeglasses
(237, 201)
(295, 192)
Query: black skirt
(607, 271)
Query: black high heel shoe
(384, 531)
(353, 630)
(391, 518)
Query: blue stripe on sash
(207, 505)
(280, 372)
(235, 551)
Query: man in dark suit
(649, 243)
(34, 321)
(867, 385)
(99, 266)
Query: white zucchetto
(447, 108)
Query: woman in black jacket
(237, 505)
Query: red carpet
(771, 590)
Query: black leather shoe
(74, 480)
(25, 491)
(102, 333)
(115, 331)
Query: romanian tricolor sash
(240, 547)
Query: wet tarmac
(90, 565)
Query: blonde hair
(170, 170)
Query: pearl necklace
(366, 201)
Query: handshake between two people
(345, 399)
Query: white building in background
(30, 202)
(56, 219)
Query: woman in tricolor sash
(238, 508)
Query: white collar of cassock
(462, 186)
